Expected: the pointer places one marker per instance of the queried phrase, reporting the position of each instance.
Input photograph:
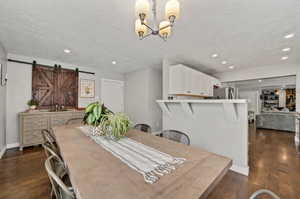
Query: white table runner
(146, 160)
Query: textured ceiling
(247, 33)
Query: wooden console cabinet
(31, 124)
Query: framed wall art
(87, 88)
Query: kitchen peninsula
(218, 126)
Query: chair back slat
(143, 127)
(263, 191)
(176, 136)
(61, 191)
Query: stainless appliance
(225, 93)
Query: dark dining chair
(75, 121)
(143, 127)
(176, 136)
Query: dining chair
(58, 165)
(264, 191)
(60, 189)
(143, 127)
(49, 138)
(75, 121)
(176, 136)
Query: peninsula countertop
(215, 101)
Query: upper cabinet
(187, 81)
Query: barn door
(67, 87)
(54, 85)
(43, 85)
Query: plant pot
(109, 135)
(95, 131)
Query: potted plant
(94, 113)
(115, 126)
(32, 104)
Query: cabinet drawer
(32, 137)
(31, 123)
(58, 120)
(78, 115)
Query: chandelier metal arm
(170, 25)
(147, 35)
(148, 26)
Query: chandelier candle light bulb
(165, 29)
(142, 8)
(140, 29)
(172, 10)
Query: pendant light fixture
(162, 29)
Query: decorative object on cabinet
(87, 88)
(32, 123)
(3, 75)
(33, 104)
(54, 86)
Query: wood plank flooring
(274, 165)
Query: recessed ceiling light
(286, 49)
(114, 62)
(231, 67)
(288, 36)
(259, 80)
(224, 62)
(214, 55)
(67, 51)
(284, 58)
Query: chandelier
(164, 28)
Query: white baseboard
(2, 152)
(13, 145)
(241, 170)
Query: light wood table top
(96, 174)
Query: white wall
(142, 89)
(2, 103)
(19, 90)
(252, 97)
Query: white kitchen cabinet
(177, 80)
(187, 81)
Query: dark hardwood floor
(274, 165)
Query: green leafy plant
(115, 125)
(94, 113)
(33, 102)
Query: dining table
(97, 174)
